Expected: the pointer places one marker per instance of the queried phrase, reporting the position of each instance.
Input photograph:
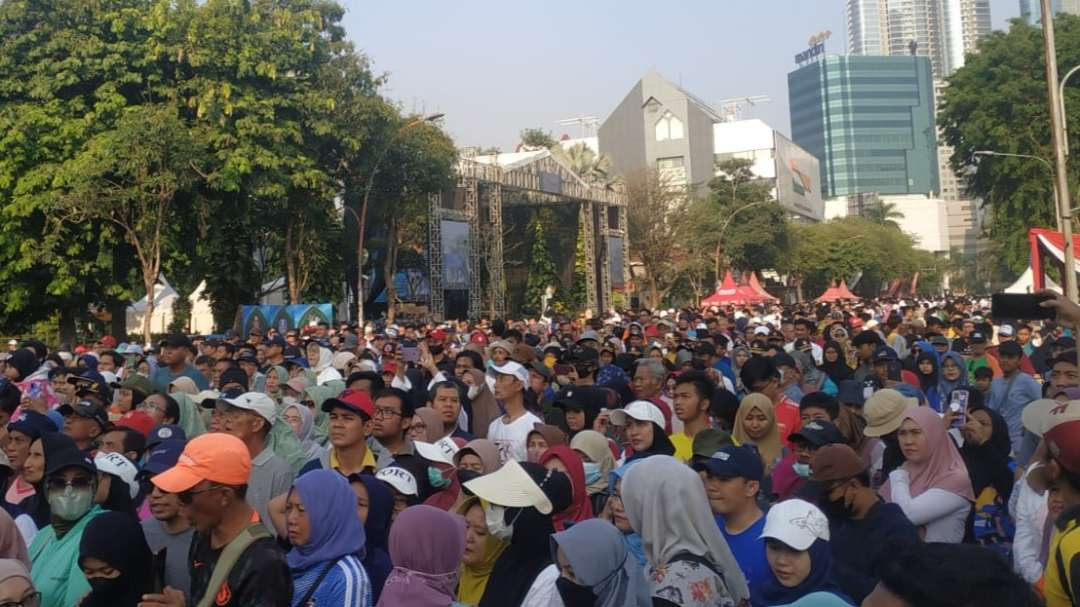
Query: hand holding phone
(958, 405)
(1021, 306)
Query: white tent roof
(1026, 283)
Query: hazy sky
(495, 68)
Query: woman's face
(536, 445)
(757, 424)
(979, 427)
(606, 357)
(656, 353)
(575, 419)
(363, 501)
(34, 467)
(297, 522)
(471, 461)
(950, 370)
(741, 358)
(618, 513)
(292, 417)
(418, 429)
(790, 566)
(313, 354)
(272, 382)
(831, 355)
(143, 368)
(913, 442)
(97, 569)
(476, 533)
(926, 367)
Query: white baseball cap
(120, 467)
(512, 368)
(511, 486)
(256, 402)
(641, 410)
(762, 330)
(441, 451)
(797, 523)
(1041, 415)
(398, 478)
(1006, 330)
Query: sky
(495, 68)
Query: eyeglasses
(386, 412)
(31, 600)
(186, 497)
(58, 484)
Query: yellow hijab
(474, 578)
(768, 446)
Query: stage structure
(466, 230)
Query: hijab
(661, 445)
(529, 551)
(580, 507)
(946, 386)
(117, 538)
(325, 358)
(426, 546)
(376, 531)
(553, 435)
(772, 592)
(10, 568)
(474, 578)
(632, 539)
(988, 463)
(670, 527)
(595, 446)
(433, 424)
(37, 505)
(485, 450)
(736, 367)
(11, 542)
(306, 434)
(768, 446)
(336, 530)
(484, 407)
(282, 375)
(601, 562)
(837, 370)
(944, 469)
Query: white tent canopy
(202, 318)
(1026, 283)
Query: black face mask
(574, 595)
(106, 587)
(435, 350)
(464, 475)
(833, 510)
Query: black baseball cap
(581, 397)
(850, 392)
(818, 432)
(884, 354)
(176, 340)
(33, 424)
(977, 337)
(783, 359)
(732, 462)
(1011, 349)
(87, 409)
(69, 457)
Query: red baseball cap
(438, 335)
(139, 421)
(478, 337)
(389, 367)
(108, 341)
(215, 457)
(1063, 444)
(353, 400)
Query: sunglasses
(59, 484)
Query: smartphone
(1020, 306)
(410, 354)
(958, 404)
(562, 369)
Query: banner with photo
(284, 318)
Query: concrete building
(869, 121)
(793, 171)
(659, 125)
(867, 27)
(925, 218)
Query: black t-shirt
(260, 578)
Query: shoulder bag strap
(229, 556)
(322, 575)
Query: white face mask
(495, 517)
(473, 391)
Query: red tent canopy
(1048, 244)
(757, 288)
(844, 292)
(731, 293)
(836, 293)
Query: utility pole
(1060, 145)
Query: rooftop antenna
(587, 124)
(731, 109)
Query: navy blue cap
(164, 433)
(276, 340)
(32, 424)
(88, 410)
(818, 432)
(783, 359)
(850, 392)
(732, 461)
(163, 456)
(885, 353)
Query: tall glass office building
(869, 121)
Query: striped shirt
(345, 585)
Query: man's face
(865, 351)
(347, 428)
(105, 363)
(801, 330)
(727, 494)
(61, 386)
(645, 384)
(219, 368)
(241, 423)
(968, 327)
(17, 448)
(810, 414)
(112, 442)
(447, 402)
(1023, 336)
(978, 349)
(168, 355)
(204, 504)
(769, 387)
(163, 506)
(388, 422)
(249, 367)
(1009, 363)
(982, 384)
(81, 429)
(688, 405)
(462, 366)
(788, 331)
(537, 383)
(639, 434)
(507, 386)
(1064, 375)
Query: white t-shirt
(511, 438)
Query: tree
(998, 102)
(659, 228)
(594, 168)
(535, 139)
(129, 176)
(542, 274)
(883, 213)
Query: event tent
(1049, 243)
(837, 293)
(731, 293)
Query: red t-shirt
(787, 418)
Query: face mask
(534, 454)
(592, 472)
(435, 350)
(495, 517)
(803, 470)
(436, 478)
(833, 510)
(473, 391)
(70, 504)
(465, 475)
(104, 587)
(574, 595)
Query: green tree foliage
(594, 168)
(660, 226)
(998, 102)
(536, 139)
(883, 213)
(542, 272)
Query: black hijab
(377, 530)
(529, 551)
(837, 370)
(988, 463)
(37, 505)
(928, 382)
(117, 539)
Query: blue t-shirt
(748, 549)
(163, 377)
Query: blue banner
(284, 318)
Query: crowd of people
(882, 453)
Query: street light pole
(1061, 98)
(1049, 167)
(1058, 132)
(361, 219)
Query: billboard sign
(798, 180)
(455, 253)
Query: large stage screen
(455, 254)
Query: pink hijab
(945, 469)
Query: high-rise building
(870, 123)
(1030, 9)
(943, 30)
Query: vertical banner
(455, 251)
